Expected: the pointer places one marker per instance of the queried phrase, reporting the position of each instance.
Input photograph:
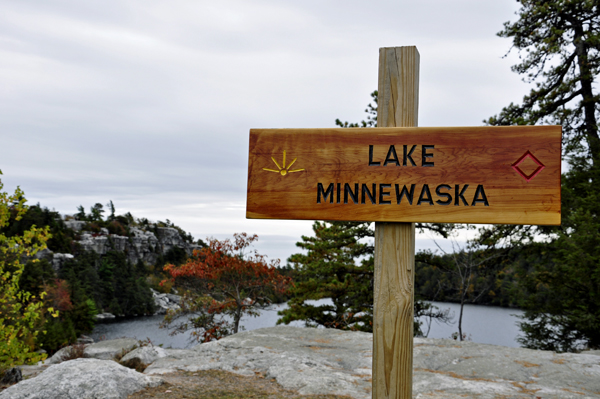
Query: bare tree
(428, 312)
(467, 262)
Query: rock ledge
(325, 361)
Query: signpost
(508, 174)
(398, 174)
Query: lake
(482, 324)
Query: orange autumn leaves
(58, 295)
(221, 283)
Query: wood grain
(393, 310)
(395, 242)
(461, 155)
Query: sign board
(489, 174)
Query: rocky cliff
(143, 245)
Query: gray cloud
(149, 103)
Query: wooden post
(395, 242)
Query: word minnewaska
(384, 194)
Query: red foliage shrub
(223, 279)
(58, 295)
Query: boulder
(328, 361)
(467, 369)
(174, 298)
(100, 317)
(107, 350)
(11, 376)
(84, 339)
(165, 302)
(61, 355)
(82, 379)
(145, 354)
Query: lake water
(482, 324)
(148, 327)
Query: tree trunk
(462, 304)
(586, 79)
(236, 320)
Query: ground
(216, 384)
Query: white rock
(146, 354)
(60, 356)
(76, 225)
(328, 361)
(104, 316)
(165, 302)
(82, 379)
(107, 350)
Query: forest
(88, 283)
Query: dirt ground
(216, 384)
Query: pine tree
(560, 41)
(560, 45)
(338, 266)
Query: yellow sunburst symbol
(283, 170)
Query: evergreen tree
(331, 269)
(111, 207)
(561, 290)
(61, 237)
(338, 265)
(560, 41)
(110, 282)
(96, 212)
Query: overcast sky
(149, 103)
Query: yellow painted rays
(283, 170)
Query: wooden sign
(508, 174)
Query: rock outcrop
(75, 225)
(327, 361)
(165, 302)
(11, 376)
(82, 379)
(103, 350)
(309, 361)
(146, 354)
(322, 361)
(107, 350)
(162, 302)
(145, 246)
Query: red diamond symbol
(528, 177)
